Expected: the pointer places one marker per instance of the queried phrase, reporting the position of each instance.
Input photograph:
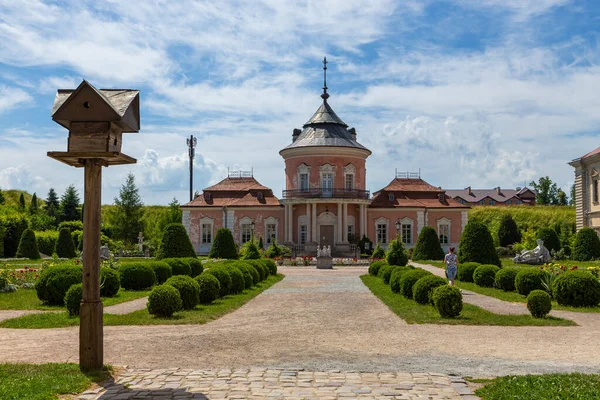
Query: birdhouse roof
(121, 106)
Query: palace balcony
(325, 193)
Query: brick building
(493, 197)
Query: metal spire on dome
(325, 95)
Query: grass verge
(46, 381)
(542, 387)
(26, 299)
(415, 313)
(512, 297)
(199, 315)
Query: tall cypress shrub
(175, 243)
(550, 238)
(396, 254)
(223, 246)
(587, 245)
(508, 232)
(65, 248)
(28, 246)
(428, 246)
(477, 245)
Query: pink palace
(325, 202)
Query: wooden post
(91, 343)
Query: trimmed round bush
(53, 283)
(245, 269)
(209, 288)
(179, 266)
(164, 301)
(175, 243)
(485, 275)
(65, 247)
(505, 279)
(162, 270)
(428, 246)
(423, 289)
(576, 289)
(223, 245)
(396, 254)
(477, 245)
(386, 273)
(262, 271)
(466, 270)
(587, 245)
(73, 298)
(539, 303)
(550, 238)
(408, 280)
(238, 283)
(271, 265)
(253, 271)
(448, 301)
(137, 276)
(396, 275)
(375, 266)
(188, 288)
(196, 267)
(528, 279)
(28, 246)
(223, 277)
(110, 281)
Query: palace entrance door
(326, 236)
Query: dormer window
(207, 196)
(442, 197)
(260, 196)
(391, 196)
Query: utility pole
(191, 143)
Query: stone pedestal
(324, 263)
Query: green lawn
(512, 297)
(46, 381)
(415, 313)
(26, 299)
(200, 315)
(542, 387)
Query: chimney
(353, 133)
(498, 190)
(295, 135)
(468, 189)
(518, 188)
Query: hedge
(46, 241)
(179, 266)
(408, 280)
(396, 275)
(238, 282)
(188, 289)
(529, 279)
(587, 245)
(53, 283)
(209, 288)
(505, 279)
(423, 289)
(222, 275)
(466, 270)
(485, 275)
(110, 282)
(428, 246)
(576, 289)
(375, 266)
(195, 266)
(162, 270)
(137, 276)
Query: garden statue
(324, 260)
(318, 251)
(141, 242)
(539, 255)
(328, 251)
(104, 253)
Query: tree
(33, 207)
(572, 199)
(28, 246)
(175, 243)
(396, 254)
(22, 202)
(428, 246)
(508, 233)
(2, 200)
(547, 191)
(69, 205)
(65, 247)
(52, 205)
(561, 198)
(477, 245)
(587, 245)
(127, 219)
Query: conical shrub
(477, 245)
(28, 246)
(428, 246)
(223, 246)
(175, 243)
(65, 248)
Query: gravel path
(8, 314)
(127, 307)
(322, 320)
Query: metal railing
(324, 193)
(408, 174)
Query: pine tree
(69, 205)
(52, 205)
(127, 218)
(2, 200)
(33, 207)
(172, 215)
(22, 202)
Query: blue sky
(479, 93)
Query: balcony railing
(323, 193)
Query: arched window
(443, 228)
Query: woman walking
(451, 265)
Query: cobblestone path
(261, 383)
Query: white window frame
(206, 221)
(271, 221)
(245, 223)
(350, 172)
(444, 222)
(303, 169)
(410, 223)
(385, 222)
(327, 169)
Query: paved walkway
(321, 320)
(261, 383)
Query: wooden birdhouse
(96, 120)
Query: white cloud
(11, 97)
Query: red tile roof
(410, 185)
(237, 184)
(412, 193)
(591, 153)
(236, 192)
